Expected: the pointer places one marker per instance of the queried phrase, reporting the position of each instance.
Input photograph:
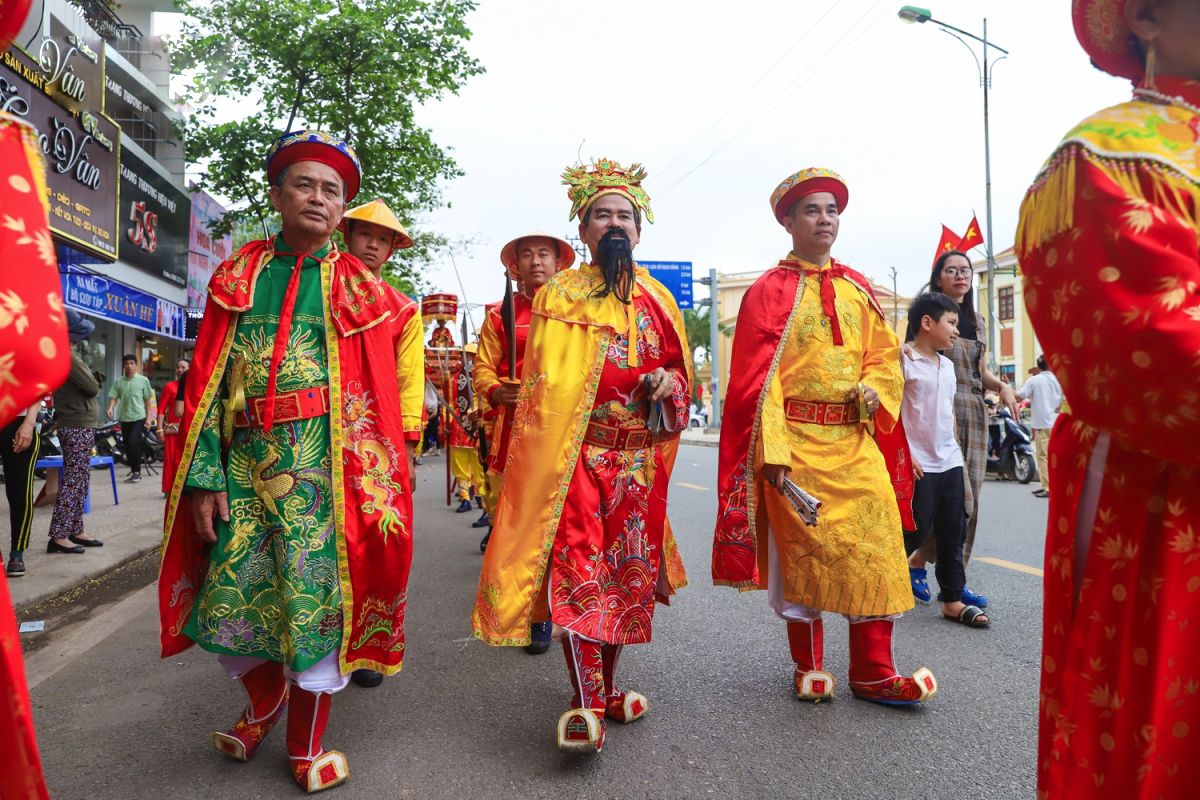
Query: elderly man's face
(610, 211)
(181, 367)
(370, 243)
(537, 260)
(311, 200)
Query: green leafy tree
(355, 68)
(697, 327)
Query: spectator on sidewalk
(1045, 397)
(18, 453)
(131, 402)
(75, 406)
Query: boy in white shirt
(928, 414)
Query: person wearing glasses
(953, 276)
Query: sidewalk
(128, 530)
(700, 437)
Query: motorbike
(109, 441)
(48, 443)
(1010, 449)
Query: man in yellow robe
(373, 234)
(585, 541)
(818, 369)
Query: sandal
(920, 583)
(969, 616)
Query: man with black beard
(581, 536)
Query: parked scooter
(109, 441)
(1010, 449)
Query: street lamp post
(912, 14)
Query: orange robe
(1109, 244)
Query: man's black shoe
(367, 678)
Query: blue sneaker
(920, 584)
(463, 507)
(970, 598)
(540, 633)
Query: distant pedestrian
(430, 443)
(171, 409)
(1045, 397)
(75, 407)
(131, 402)
(928, 414)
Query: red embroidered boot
(314, 767)
(581, 728)
(267, 690)
(806, 640)
(623, 706)
(873, 674)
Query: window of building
(1005, 302)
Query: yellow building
(1018, 348)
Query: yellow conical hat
(378, 213)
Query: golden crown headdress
(587, 184)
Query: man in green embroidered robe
(289, 525)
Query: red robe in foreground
(373, 522)
(34, 360)
(1109, 244)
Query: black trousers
(431, 434)
(132, 433)
(938, 508)
(18, 482)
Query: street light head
(911, 14)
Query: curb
(698, 442)
(58, 590)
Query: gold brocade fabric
(569, 336)
(853, 561)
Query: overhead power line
(805, 76)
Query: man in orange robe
(1109, 247)
(604, 391)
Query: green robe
(272, 587)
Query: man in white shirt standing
(928, 414)
(1045, 398)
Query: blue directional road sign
(676, 276)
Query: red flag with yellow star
(949, 241)
(973, 237)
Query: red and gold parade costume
(807, 335)
(586, 540)
(34, 359)
(1109, 245)
(169, 430)
(444, 367)
(297, 419)
(408, 330)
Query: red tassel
(282, 334)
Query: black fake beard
(614, 257)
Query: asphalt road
(467, 721)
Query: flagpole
(992, 344)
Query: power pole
(895, 302)
(714, 331)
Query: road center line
(1000, 562)
(691, 486)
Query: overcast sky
(720, 101)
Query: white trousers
(323, 677)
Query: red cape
(372, 501)
(755, 342)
